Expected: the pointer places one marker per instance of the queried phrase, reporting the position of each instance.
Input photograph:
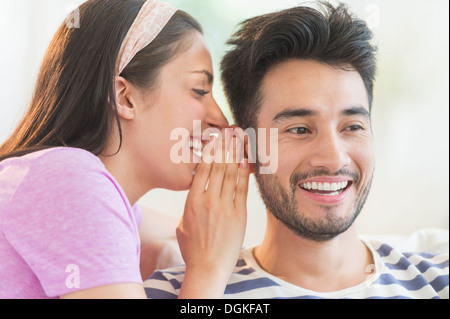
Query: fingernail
(244, 164)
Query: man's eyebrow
(356, 110)
(207, 73)
(289, 113)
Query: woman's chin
(183, 182)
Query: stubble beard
(284, 207)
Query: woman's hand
(212, 229)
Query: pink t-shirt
(65, 225)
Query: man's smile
(326, 190)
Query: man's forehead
(291, 113)
(313, 86)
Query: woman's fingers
(222, 173)
(231, 173)
(202, 172)
(242, 185)
(209, 240)
(219, 167)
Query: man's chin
(308, 218)
(318, 228)
(325, 215)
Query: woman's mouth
(196, 145)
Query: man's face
(325, 147)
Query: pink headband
(151, 19)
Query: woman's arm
(116, 291)
(157, 225)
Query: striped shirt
(395, 274)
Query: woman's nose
(215, 116)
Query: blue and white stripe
(397, 275)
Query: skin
(209, 235)
(149, 116)
(318, 145)
(217, 203)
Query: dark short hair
(74, 102)
(331, 35)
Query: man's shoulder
(419, 262)
(430, 240)
(425, 250)
(412, 265)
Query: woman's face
(181, 102)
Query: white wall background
(411, 110)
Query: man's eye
(353, 128)
(299, 130)
(200, 92)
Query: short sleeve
(71, 224)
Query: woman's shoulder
(60, 175)
(61, 156)
(53, 168)
(54, 161)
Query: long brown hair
(73, 104)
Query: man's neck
(327, 266)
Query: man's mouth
(326, 188)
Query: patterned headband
(151, 19)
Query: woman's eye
(200, 92)
(299, 130)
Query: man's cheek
(268, 156)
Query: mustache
(299, 176)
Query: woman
(95, 139)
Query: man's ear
(124, 102)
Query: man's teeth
(324, 186)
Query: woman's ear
(124, 102)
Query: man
(310, 75)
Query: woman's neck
(125, 169)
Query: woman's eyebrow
(207, 73)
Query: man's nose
(215, 117)
(329, 153)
